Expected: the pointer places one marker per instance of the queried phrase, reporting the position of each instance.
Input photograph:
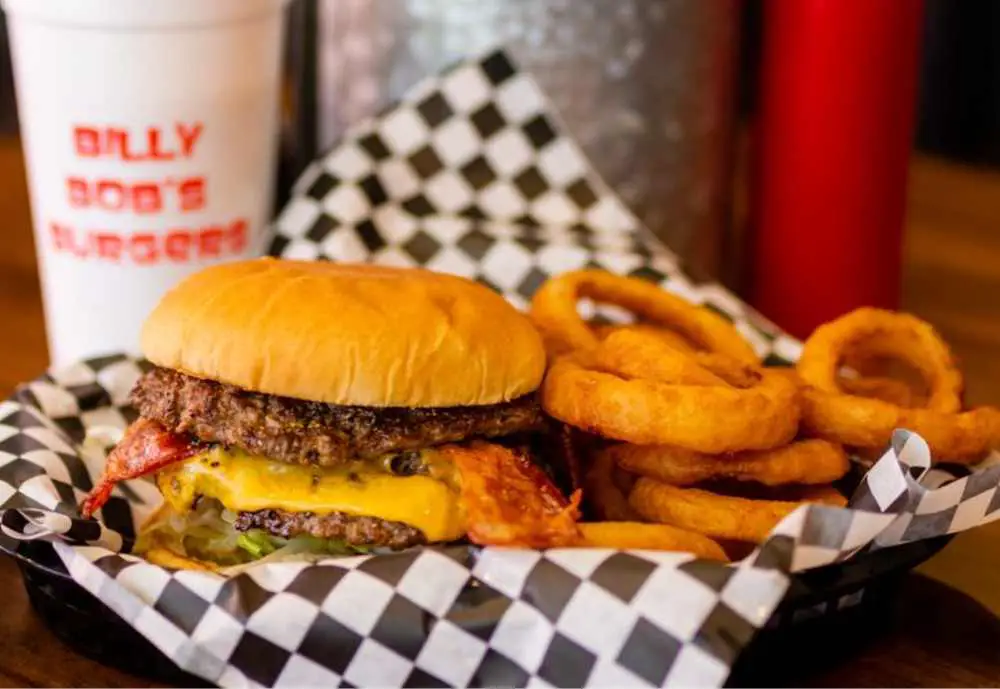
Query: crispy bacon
(509, 501)
(145, 448)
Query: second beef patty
(352, 529)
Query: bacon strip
(145, 448)
(509, 501)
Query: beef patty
(315, 433)
(351, 529)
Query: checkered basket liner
(470, 174)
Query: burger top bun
(346, 334)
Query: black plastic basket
(857, 590)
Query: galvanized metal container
(647, 87)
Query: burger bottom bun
(169, 559)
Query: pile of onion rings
(690, 438)
(676, 403)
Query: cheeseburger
(310, 408)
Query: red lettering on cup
(62, 237)
(189, 135)
(115, 195)
(117, 143)
(149, 143)
(210, 242)
(237, 236)
(110, 194)
(192, 194)
(146, 198)
(144, 249)
(77, 192)
(153, 146)
(86, 142)
(177, 245)
(109, 246)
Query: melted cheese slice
(246, 482)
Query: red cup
(831, 155)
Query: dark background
(958, 113)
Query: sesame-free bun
(346, 334)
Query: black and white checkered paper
(469, 174)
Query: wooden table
(945, 631)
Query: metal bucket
(647, 87)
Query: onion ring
(640, 536)
(962, 437)
(715, 516)
(584, 391)
(880, 388)
(635, 354)
(804, 462)
(885, 333)
(674, 339)
(886, 389)
(608, 501)
(867, 423)
(878, 375)
(823, 495)
(623, 480)
(883, 376)
(554, 312)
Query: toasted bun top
(346, 334)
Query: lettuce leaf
(259, 543)
(207, 533)
(256, 542)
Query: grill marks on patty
(315, 433)
(354, 530)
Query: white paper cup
(150, 130)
